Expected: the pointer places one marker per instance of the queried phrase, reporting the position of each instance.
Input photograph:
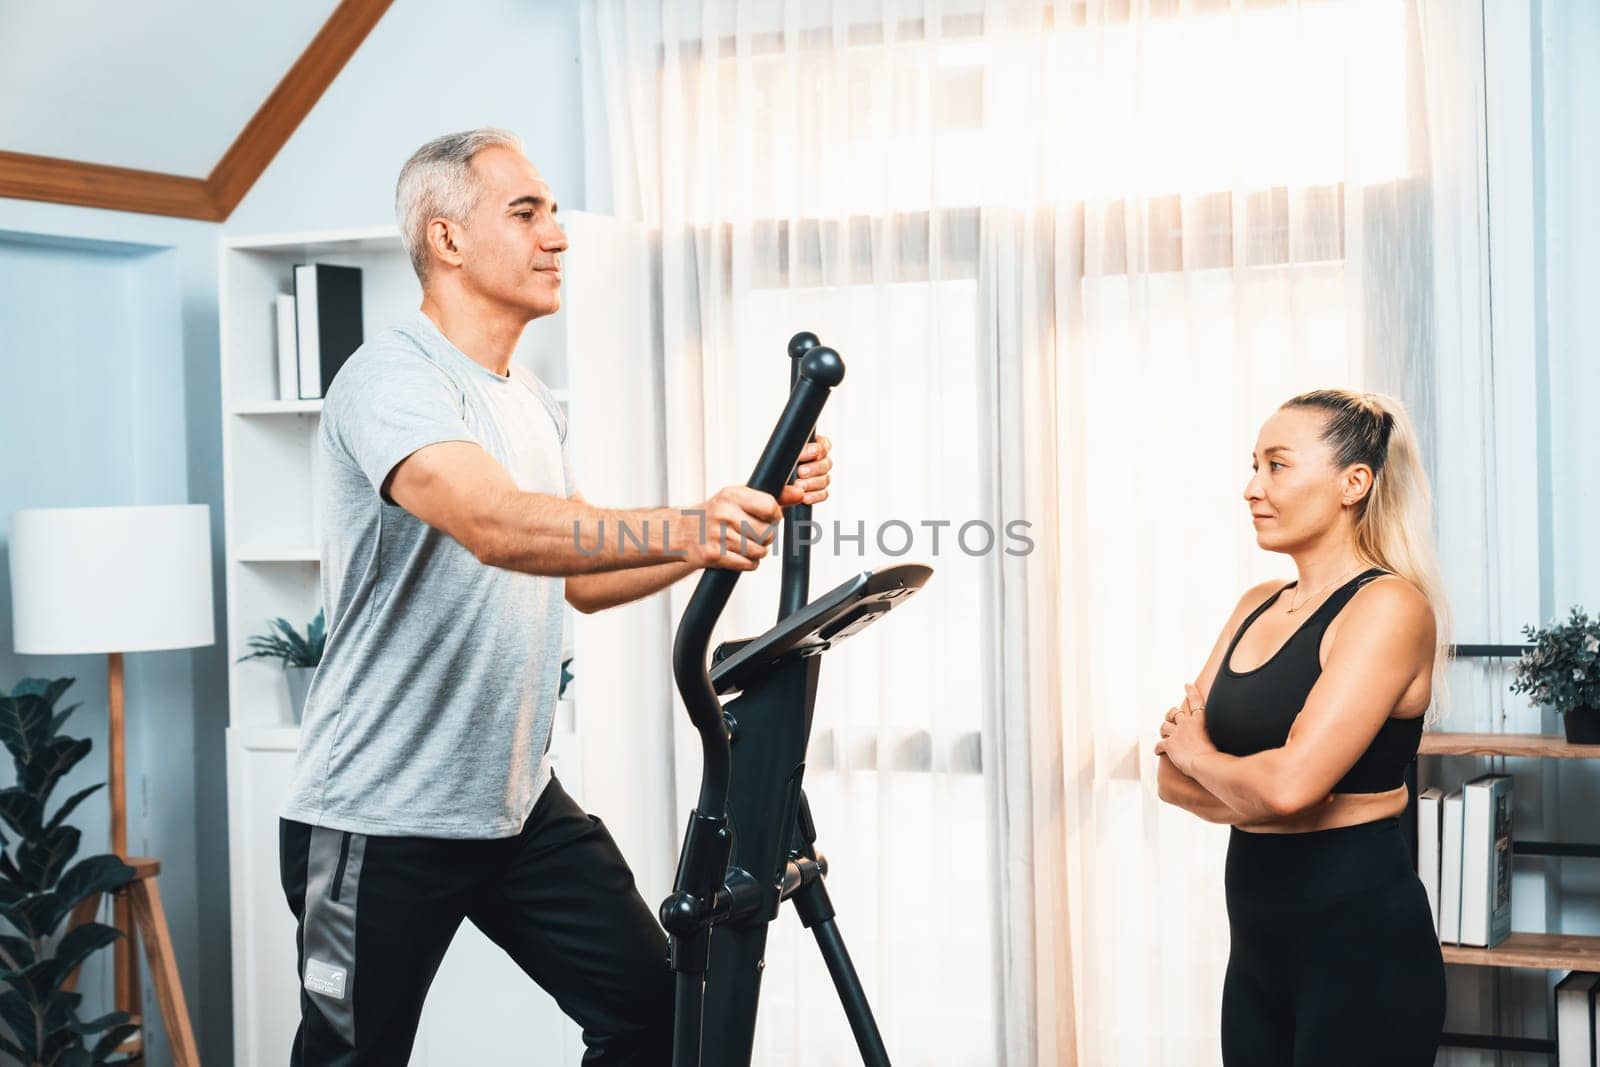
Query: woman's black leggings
(1334, 956)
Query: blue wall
(134, 414)
(95, 412)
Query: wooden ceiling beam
(68, 181)
(282, 112)
(213, 198)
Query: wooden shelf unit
(1538, 951)
(1534, 951)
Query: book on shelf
(1576, 1037)
(1486, 860)
(1430, 815)
(1450, 870)
(288, 350)
(327, 301)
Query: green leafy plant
(566, 678)
(38, 890)
(284, 642)
(1562, 670)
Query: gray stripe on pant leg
(330, 928)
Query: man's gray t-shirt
(430, 712)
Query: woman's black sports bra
(1251, 711)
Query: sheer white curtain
(781, 161)
(1073, 255)
(1477, 418)
(1248, 189)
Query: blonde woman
(1298, 733)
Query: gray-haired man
(421, 795)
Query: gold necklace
(1293, 607)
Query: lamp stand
(126, 967)
(136, 910)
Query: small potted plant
(1562, 670)
(300, 656)
(566, 712)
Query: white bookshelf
(272, 569)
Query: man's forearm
(596, 592)
(553, 536)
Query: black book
(327, 302)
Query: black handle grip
(794, 586)
(820, 369)
(799, 345)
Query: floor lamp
(112, 581)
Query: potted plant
(1562, 670)
(566, 711)
(300, 655)
(38, 891)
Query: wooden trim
(67, 181)
(1556, 952)
(1533, 746)
(282, 112)
(213, 198)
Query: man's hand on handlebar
(731, 531)
(734, 530)
(811, 476)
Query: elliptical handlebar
(795, 587)
(819, 369)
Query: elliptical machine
(750, 843)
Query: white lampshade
(127, 579)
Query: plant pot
(299, 679)
(1582, 726)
